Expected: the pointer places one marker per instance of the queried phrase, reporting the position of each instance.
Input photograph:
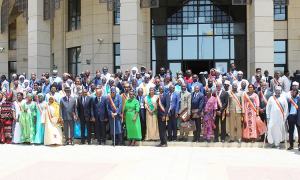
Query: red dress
(7, 122)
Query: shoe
(239, 141)
(298, 148)
(271, 146)
(175, 139)
(290, 148)
(89, 143)
(277, 147)
(98, 143)
(159, 145)
(72, 143)
(201, 140)
(223, 141)
(194, 140)
(164, 145)
(81, 143)
(208, 140)
(66, 143)
(180, 139)
(185, 139)
(230, 141)
(170, 139)
(103, 143)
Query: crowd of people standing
(142, 106)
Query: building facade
(76, 35)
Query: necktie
(218, 92)
(68, 99)
(98, 101)
(83, 101)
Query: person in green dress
(27, 120)
(132, 119)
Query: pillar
(131, 34)
(22, 45)
(261, 36)
(39, 51)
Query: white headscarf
(134, 69)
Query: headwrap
(295, 83)
(227, 82)
(240, 72)
(55, 71)
(29, 90)
(211, 76)
(41, 94)
(205, 72)
(278, 88)
(126, 84)
(147, 75)
(26, 81)
(21, 77)
(167, 75)
(111, 79)
(113, 88)
(56, 107)
(10, 94)
(150, 71)
(180, 79)
(135, 69)
(179, 72)
(14, 75)
(29, 94)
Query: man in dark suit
(267, 77)
(84, 115)
(197, 104)
(296, 78)
(162, 112)
(64, 81)
(99, 116)
(293, 118)
(223, 97)
(141, 98)
(173, 114)
(67, 110)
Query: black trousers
(198, 126)
(223, 128)
(143, 127)
(172, 127)
(69, 129)
(292, 122)
(162, 131)
(100, 130)
(263, 117)
(93, 129)
(84, 123)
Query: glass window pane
(279, 46)
(281, 69)
(159, 15)
(78, 54)
(78, 68)
(189, 29)
(221, 47)
(221, 29)
(174, 48)
(154, 67)
(205, 29)
(279, 58)
(205, 14)
(158, 30)
(190, 48)
(117, 49)
(72, 55)
(174, 67)
(159, 48)
(237, 28)
(72, 69)
(174, 30)
(117, 63)
(238, 47)
(206, 47)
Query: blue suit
(117, 100)
(172, 123)
(142, 114)
(165, 101)
(292, 119)
(99, 112)
(197, 102)
(193, 84)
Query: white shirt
(287, 82)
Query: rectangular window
(117, 17)
(117, 57)
(12, 68)
(74, 14)
(280, 55)
(74, 60)
(280, 13)
(12, 36)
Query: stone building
(75, 35)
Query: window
(74, 14)
(117, 17)
(280, 55)
(74, 60)
(12, 68)
(280, 13)
(12, 36)
(117, 57)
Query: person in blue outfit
(195, 82)
(232, 74)
(197, 106)
(173, 114)
(40, 129)
(114, 108)
(99, 116)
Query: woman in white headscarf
(134, 70)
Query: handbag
(194, 113)
(188, 126)
(184, 115)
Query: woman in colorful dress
(27, 120)
(40, 129)
(17, 109)
(152, 132)
(209, 114)
(6, 118)
(167, 82)
(178, 85)
(251, 101)
(132, 119)
(50, 119)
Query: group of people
(142, 106)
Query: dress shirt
(293, 109)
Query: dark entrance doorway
(199, 66)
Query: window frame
(115, 55)
(285, 15)
(115, 17)
(285, 65)
(78, 15)
(71, 63)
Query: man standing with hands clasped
(293, 117)
(162, 113)
(67, 110)
(184, 106)
(197, 107)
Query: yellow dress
(152, 131)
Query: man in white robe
(276, 118)
(146, 85)
(240, 79)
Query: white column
(39, 51)
(261, 36)
(131, 34)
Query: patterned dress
(250, 116)
(7, 122)
(27, 122)
(208, 124)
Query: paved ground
(147, 162)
